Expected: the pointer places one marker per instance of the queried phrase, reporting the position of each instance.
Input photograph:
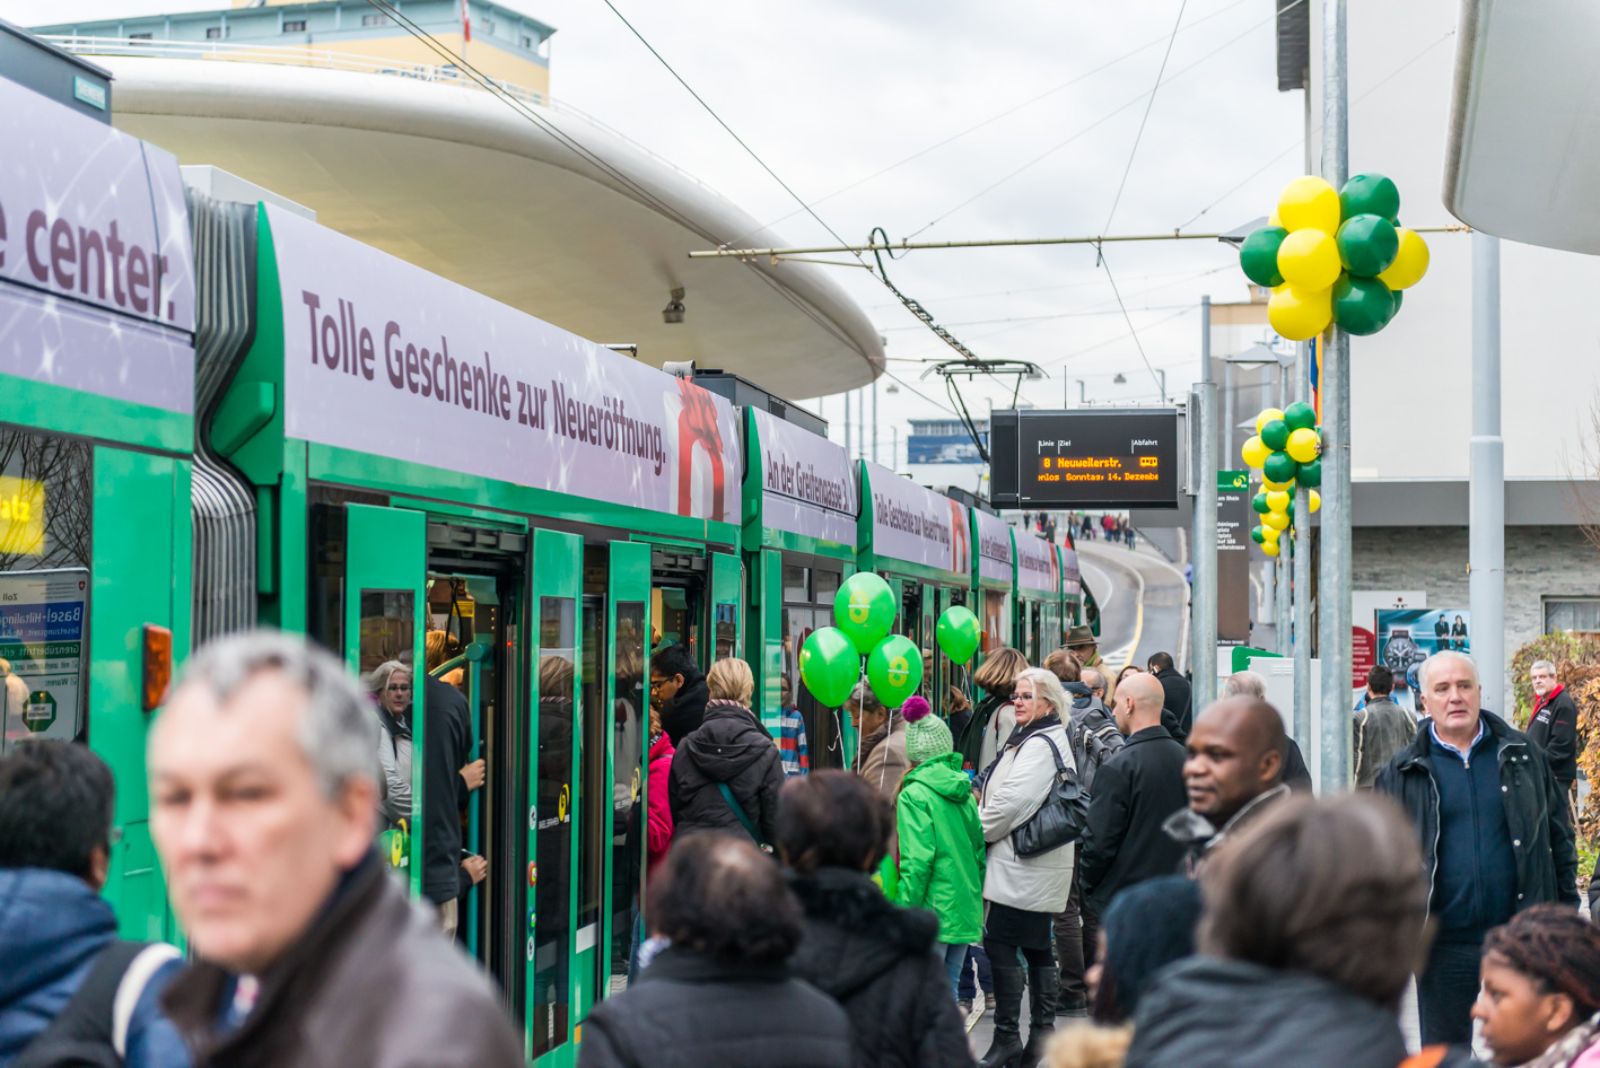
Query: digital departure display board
(1124, 458)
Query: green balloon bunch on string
(1287, 452)
(1334, 256)
(831, 657)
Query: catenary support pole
(1203, 590)
(849, 453)
(874, 420)
(1334, 604)
(1302, 580)
(1487, 537)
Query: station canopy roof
(458, 181)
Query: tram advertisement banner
(96, 275)
(1408, 636)
(808, 484)
(994, 547)
(385, 358)
(42, 624)
(1036, 563)
(1071, 580)
(917, 525)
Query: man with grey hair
(263, 783)
(1553, 727)
(1494, 831)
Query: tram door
(553, 772)
(383, 623)
(727, 586)
(627, 676)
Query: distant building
(504, 44)
(940, 452)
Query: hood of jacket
(1079, 691)
(662, 748)
(943, 775)
(1189, 827)
(727, 741)
(1205, 1011)
(853, 933)
(52, 926)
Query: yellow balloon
(1274, 221)
(1271, 486)
(1304, 445)
(1255, 452)
(1270, 548)
(1278, 501)
(1298, 315)
(1410, 263)
(1309, 259)
(1276, 520)
(1313, 500)
(1267, 415)
(1269, 533)
(1309, 203)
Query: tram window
(727, 623)
(628, 798)
(385, 662)
(931, 680)
(824, 738)
(593, 797)
(827, 587)
(553, 837)
(46, 493)
(796, 583)
(995, 603)
(674, 615)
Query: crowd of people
(1132, 883)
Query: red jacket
(659, 836)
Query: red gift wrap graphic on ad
(698, 433)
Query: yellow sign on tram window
(21, 516)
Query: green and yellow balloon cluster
(1286, 449)
(830, 657)
(1334, 256)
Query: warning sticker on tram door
(43, 616)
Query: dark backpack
(1095, 739)
(92, 1030)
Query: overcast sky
(830, 92)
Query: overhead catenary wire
(1149, 105)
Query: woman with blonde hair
(1024, 893)
(726, 774)
(994, 718)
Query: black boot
(1043, 984)
(1006, 1049)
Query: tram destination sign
(1122, 458)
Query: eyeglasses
(656, 684)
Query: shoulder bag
(1060, 819)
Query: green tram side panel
(139, 574)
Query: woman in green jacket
(940, 839)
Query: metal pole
(1301, 548)
(1487, 536)
(1334, 611)
(1203, 598)
(1283, 619)
(1066, 389)
(847, 426)
(1083, 394)
(894, 448)
(874, 420)
(1228, 415)
(1162, 374)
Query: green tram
(221, 415)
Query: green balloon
(1280, 467)
(1369, 194)
(1310, 475)
(864, 609)
(958, 633)
(1399, 299)
(1362, 306)
(1300, 416)
(829, 666)
(1275, 435)
(1257, 536)
(1367, 245)
(1259, 503)
(1258, 256)
(894, 670)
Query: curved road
(1142, 599)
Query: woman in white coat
(1023, 894)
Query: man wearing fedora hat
(1082, 644)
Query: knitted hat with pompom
(926, 734)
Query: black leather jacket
(1536, 811)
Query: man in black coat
(722, 993)
(447, 765)
(1554, 724)
(1134, 794)
(730, 748)
(1176, 697)
(1494, 829)
(677, 692)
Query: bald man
(1134, 793)
(1234, 769)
